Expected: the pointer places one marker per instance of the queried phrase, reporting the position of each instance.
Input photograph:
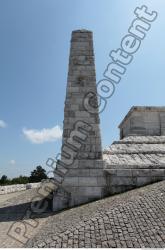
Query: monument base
(84, 183)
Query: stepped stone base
(120, 180)
(81, 185)
(133, 162)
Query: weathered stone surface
(82, 152)
(146, 121)
(133, 219)
(126, 148)
(134, 161)
(142, 140)
(17, 187)
(16, 213)
(61, 199)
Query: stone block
(158, 178)
(100, 164)
(96, 172)
(119, 189)
(141, 172)
(61, 199)
(90, 191)
(124, 172)
(87, 181)
(71, 181)
(119, 181)
(58, 178)
(82, 114)
(158, 172)
(141, 181)
(75, 164)
(86, 164)
(101, 181)
(78, 172)
(110, 171)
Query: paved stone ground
(132, 219)
(13, 208)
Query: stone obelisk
(81, 146)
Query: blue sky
(34, 52)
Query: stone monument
(84, 173)
(138, 158)
(81, 153)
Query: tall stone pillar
(81, 153)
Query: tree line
(36, 175)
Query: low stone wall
(18, 187)
(121, 180)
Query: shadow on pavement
(29, 210)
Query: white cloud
(12, 162)
(43, 135)
(2, 124)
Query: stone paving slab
(132, 219)
(13, 208)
